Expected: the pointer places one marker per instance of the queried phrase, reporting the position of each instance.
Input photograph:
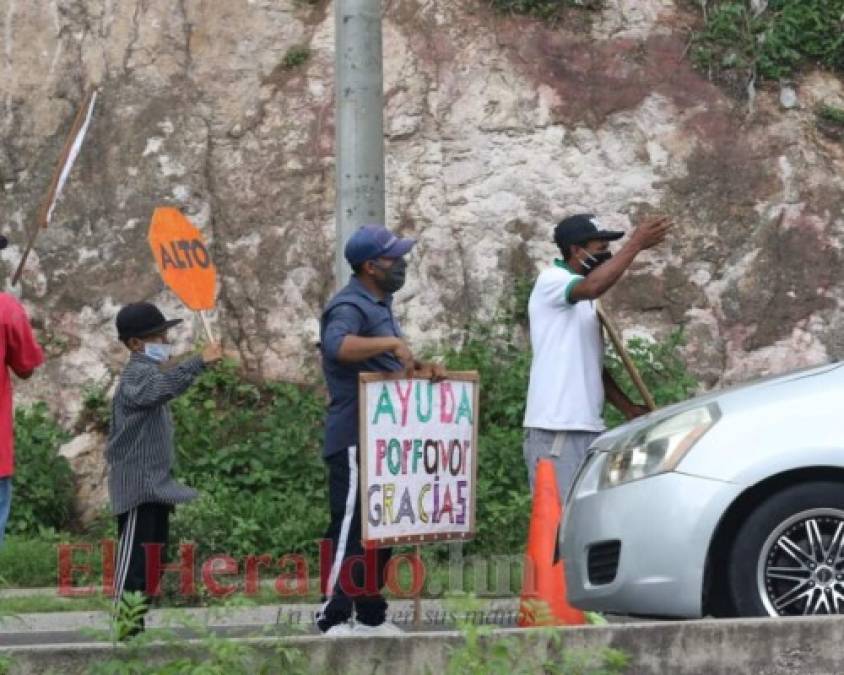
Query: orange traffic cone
(543, 581)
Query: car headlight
(657, 448)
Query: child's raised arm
(152, 386)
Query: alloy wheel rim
(801, 565)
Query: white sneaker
(339, 630)
(386, 629)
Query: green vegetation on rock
(543, 9)
(769, 40)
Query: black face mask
(394, 276)
(594, 261)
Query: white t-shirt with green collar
(566, 391)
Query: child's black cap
(141, 319)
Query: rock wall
(496, 127)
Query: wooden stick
(72, 145)
(618, 343)
(29, 244)
(205, 325)
(417, 600)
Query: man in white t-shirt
(568, 381)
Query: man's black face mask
(394, 276)
(594, 260)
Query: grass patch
(28, 563)
(38, 604)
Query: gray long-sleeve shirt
(140, 450)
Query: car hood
(739, 391)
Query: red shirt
(20, 352)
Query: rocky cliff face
(496, 127)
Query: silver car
(730, 504)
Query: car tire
(769, 568)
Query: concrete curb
(808, 646)
(501, 612)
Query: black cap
(580, 228)
(3, 242)
(141, 319)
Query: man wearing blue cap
(568, 381)
(359, 333)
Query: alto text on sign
(183, 259)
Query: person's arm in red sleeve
(23, 353)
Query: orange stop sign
(182, 258)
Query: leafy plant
(129, 617)
(772, 43)
(96, 408)
(662, 370)
(254, 454)
(830, 122)
(482, 653)
(210, 654)
(296, 56)
(497, 350)
(831, 114)
(543, 9)
(43, 483)
(28, 563)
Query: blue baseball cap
(375, 241)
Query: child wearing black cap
(140, 450)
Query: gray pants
(565, 448)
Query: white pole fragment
(359, 122)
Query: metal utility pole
(359, 119)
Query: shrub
(481, 652)
(43, 484)
(496, 350)
(96, 409)
(28, 563)
(829, 120)
(544, 9)
(296, 56)
(773, 43)
(254, 454)
(661, 368)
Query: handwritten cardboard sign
(183, 259)
(419, 443)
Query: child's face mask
(158, 351)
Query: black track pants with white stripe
(144, 524)
(355, 577)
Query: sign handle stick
(417, 600)
(71, 148)
(29, 245)
(618, 343)
(205, 325)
